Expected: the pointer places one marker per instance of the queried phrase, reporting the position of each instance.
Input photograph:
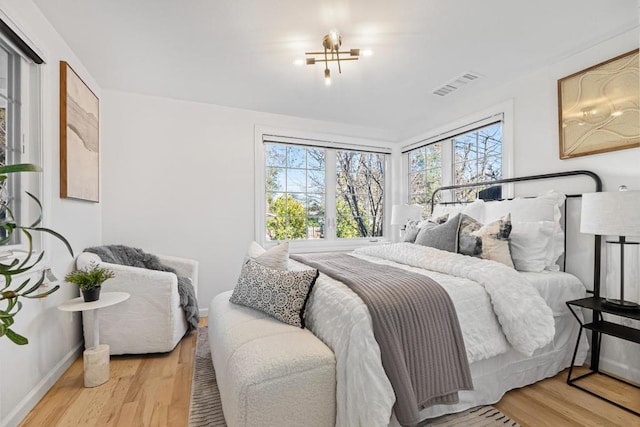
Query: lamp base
(621, 304)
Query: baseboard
(204, 312)
(18, 414)
(620, 369)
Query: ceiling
(240, 53)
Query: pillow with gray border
(442, 236)
(413, 227)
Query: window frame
(500, 112)
(30, 149)
(329, 142)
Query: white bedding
(521, 320)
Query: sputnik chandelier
(331, 43)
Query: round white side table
(96, 356)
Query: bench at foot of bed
(269, 373)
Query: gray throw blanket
(133, 257)
(416, 327)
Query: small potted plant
(90, 280)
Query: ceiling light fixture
(331, 43)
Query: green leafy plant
(10, 294)
(89, 277)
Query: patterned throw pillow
(490, 241)
(278, 293)
(411, 231)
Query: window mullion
(330, 194)
(448, 167)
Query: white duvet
(497, 307)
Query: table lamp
(613, 213)
(401, 214)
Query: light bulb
(299, 62)
(327, 77)
(327, 81)
(366, 52)
(334, 36)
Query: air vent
(456, 83)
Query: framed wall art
(79, 138)
(599, 108)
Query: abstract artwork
(599, 108)
(79, 138)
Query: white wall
(28, 371)
(536, 117)
(535, 147)
(178, 179)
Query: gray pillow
(443, 236)
(413, 227)
(278, 293)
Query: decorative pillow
(545, 207)
(411, 230)
(443, 236)
(276, 257)
(490, 241)
(531, 244)
(413, 227)
(280, 294)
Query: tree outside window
(475, 156)
(297, 188)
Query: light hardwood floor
(154, 390)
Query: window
(295, 192)
(19, 128)
(10, 147)
(425, 173)
(477, 157)
(359, 194)
(321, 193)
(472, 156)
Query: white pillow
(474, 209)
(255, 250)
(276, 257)
(531, 245)
(452, 210)
(545, 207)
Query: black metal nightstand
(600, 326)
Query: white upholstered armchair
(151, 320)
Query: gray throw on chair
(134, 257)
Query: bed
(515, 325)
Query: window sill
(327, 246)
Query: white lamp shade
(401, 214)
(612, 213)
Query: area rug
(205, 409)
